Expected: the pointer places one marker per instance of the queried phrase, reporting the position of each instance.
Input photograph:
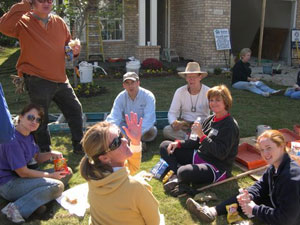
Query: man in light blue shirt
(138, 100)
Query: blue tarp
(7, 129)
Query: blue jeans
(28, 194)
(292, 93)
(257, 87)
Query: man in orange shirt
(43, 37)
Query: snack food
(72, 201)
(61, 165)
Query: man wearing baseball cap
(135, 99)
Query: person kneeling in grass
(275, 198)
(115, 196)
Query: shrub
(152, 64)
(217, 71)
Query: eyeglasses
(116, 142)
(32, 118)
(43, 1)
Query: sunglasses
(116, 142)
(32, 118)
(43, 1)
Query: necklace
(193, 109)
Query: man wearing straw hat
(189, 102)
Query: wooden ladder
(94, 42)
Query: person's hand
(177, 125)
(58, 174)
(197, 127)
(243, 197)
(56, 155)
(247, 208)
(171, 147)
(134, 128)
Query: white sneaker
(12, 213)
(266, 94)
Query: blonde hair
(244, 51)
(221, 91)
(275, 136)
(95, 143)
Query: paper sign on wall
(222, 39)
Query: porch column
(153, 22)
(142, 22)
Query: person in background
(210, 157)
(275, 198)
(241, 77)
(115, 196)
(28, 189)
(138, 100)
(294, 92)
(189, 102)
(43, 37)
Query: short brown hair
(221, 91)
(95, 143)
(275, 136)
(31, 106)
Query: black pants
(42, 92)
(181, 163)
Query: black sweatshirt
(240, 72)
(220, 147)
(282, 190)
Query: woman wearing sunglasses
(275, 198)
(115, 196)
(27, 189)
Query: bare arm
(24, 172)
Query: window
(111, 16)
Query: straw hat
(193, 67)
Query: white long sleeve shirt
(183, 102)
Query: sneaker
(12, 213)
(170, 185)
(203, 213)
(266, 94)
(278, 92)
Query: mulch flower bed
(89, 90)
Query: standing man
(43, 38)
(138, 100)
(189, 102)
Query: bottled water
(194, 135)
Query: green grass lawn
(248, 109)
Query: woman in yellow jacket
(115, 196)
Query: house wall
(126, 47)
(192, 25)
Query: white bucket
(262, 128)
(86, 74)
(133, 66)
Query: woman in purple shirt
(27, 189)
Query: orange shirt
(42, 49)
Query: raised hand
(134, 128)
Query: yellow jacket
(121, 199)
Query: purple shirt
(16, 154)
